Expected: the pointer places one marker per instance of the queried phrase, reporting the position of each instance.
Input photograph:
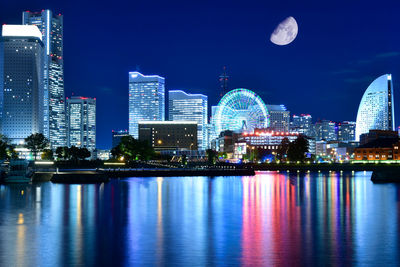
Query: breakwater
(124, 173)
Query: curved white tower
(376, 110)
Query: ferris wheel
(241, 109)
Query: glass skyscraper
(190, 107)
(51, 27)
(376, 110)
(146, 100)
(346, 131)
(21, 94)
(325, 130)
(302, 124)
(81, 122)
(279, 118)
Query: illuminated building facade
(302, 124)
(81, 122)
(21, 94)
(266, 141)
(346, 131)
(376, 110)
(279, 118)
(190, 107)
(146, 100)
(325, 130)
(51, 27)
(169, 135)
(378, 150)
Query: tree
(62, 152)
(211, 156)
(298, 149)
(83, 153)
(283, 149)
(7, 151)
(74, 153)
(36, 143)
(47, 154)
(132, 149)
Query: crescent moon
(285, 32)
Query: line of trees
(131, 149)
(293, 151)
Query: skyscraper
(21, 95)
(146, 100)
(376, 110)
(190, 107)
(51, 27)
(325, 130)
(302, 124)
(81, 122)
(279, 118)
(346, 131)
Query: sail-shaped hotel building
(376, 110)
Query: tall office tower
(376, 110)
(190, 107)
(21, 95)
(146, 100)
(325, 130)
(346, 131)
(81, 122)
(279, 118)
(51, 27)
(302, 124)
(212, 127)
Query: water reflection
(268, 219)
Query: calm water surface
(270, 219)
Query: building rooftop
(380, 143)
(21, 31)
(276, 108)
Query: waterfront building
(51, 27)
(190, 107)
(103, 154)
(146, 100)
(21, 94)
(325, 130)
(378, 150)
(376, 110)
(377, 134)
(302, 124)
(346, 131)
(169, 135)
(81, 122)
(265, 141)
(279, 118)
(117, 136)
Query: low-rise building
(169, 135)
(378, 149)
(264, 141)
(377, 134)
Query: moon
(285, 32)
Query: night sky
(342, 46)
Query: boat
(19, 171)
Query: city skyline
(346, 68)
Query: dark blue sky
(342, 46)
